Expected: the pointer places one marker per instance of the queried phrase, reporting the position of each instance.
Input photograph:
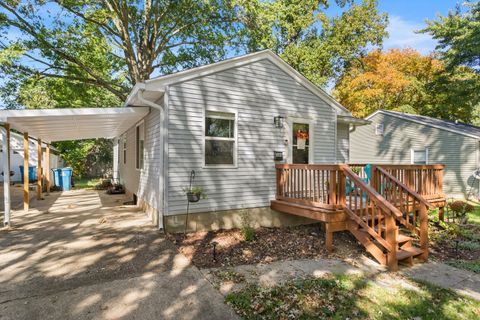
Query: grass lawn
(351, 297)
(474, 217)
(86, 183)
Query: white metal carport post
(6, 173)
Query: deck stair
(386, 215)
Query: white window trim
(235, 139)
(412, 155)
(288, 137)
(142, 122)
(379, 129)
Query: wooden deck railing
(426, 180)
(315, 185)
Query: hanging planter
(194, 194)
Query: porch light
(278, 121)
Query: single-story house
(17, 156)
(229, 122)
(401, 138)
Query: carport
(51, 125)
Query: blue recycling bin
(62, 178)
(32, 174)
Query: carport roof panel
(73, 124)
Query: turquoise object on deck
(368, 173)
(32, 173)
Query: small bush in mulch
(457, 244)
(268, 245)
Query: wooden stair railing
(413, 206)
(372, 219)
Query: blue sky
(406, 16)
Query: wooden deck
(372, 206)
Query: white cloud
(402, 35)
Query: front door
(300, 145)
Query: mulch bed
(452, 246)
(270, 244)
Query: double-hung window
(139, 143)
(419, 156)
(220, 139)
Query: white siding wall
(144, 183)
(258, 92)
(343, 142)
(459, 153)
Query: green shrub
(248, 233)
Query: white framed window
(124, 149)
(139, 145)
(379, 129)
(220, 139)
(419, 156)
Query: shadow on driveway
(83, 254)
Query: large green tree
(318, 45)
(458, 36)
(113, 44)
(57, 39)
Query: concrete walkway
(269, 275)
(84, 255)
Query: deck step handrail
(413, 206)
(369, 210)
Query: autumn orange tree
(405, 80)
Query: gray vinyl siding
(343, 142)
(458, 152)
(144, 183)
(258, 92)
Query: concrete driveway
(84, 255)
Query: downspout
(141, 98)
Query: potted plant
(194, 194)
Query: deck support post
(441, 213)
(391, 237)
(39, 170)
(424, 232)
(6, 173)
(328, 237)
(26, 190)
(47, 168)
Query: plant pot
(193, 197)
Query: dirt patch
(270, 244)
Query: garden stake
(214, 244)
(192, 177)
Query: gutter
(142, 99)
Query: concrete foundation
(255, 217)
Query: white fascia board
(399, 116)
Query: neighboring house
(16, 156)
(400, 138)
(230, 122)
